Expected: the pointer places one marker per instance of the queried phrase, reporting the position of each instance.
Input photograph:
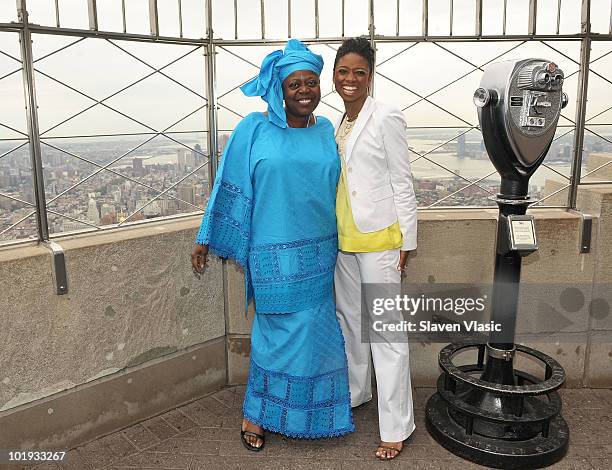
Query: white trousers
(391, 360)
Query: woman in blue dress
(272, 209)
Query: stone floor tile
(160, 428)
(577, 451)
(231, 422)
(102, 452)
(312, 450)
(211, 404)
(572, 464)
(15, 466)
(374, 465)
(305, 464)
(601, 464)
(180, 446)
(140, 436)
(155, 460)
(74, 461)
(226, 396)
(202, 416)
(571, 397)
(178, 420)
(204, 435)
(211, 434)
(603, 394)
(255, 462)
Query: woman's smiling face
(352, 77)
(302, 93)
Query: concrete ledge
(458, 246)
(78, 415)
(132, 298)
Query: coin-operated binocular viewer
(489, 412)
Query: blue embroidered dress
(272, 209)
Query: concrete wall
(458, 247)
(132, 300)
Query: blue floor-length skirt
(298, 377)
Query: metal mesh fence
(124, 99)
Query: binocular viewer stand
(488, 411)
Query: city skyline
(116, 198)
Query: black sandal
(250, 446)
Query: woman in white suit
(377, 227)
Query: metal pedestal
(499, 425)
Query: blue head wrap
(275, 68)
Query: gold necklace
(347, 128)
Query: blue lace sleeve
(226, 225)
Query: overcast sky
(98, 68)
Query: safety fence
(128, 104)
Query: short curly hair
(360, 46)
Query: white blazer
(378, 176)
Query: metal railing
(442, 25)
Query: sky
(96, 68)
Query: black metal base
(536, 452)
(507, 418)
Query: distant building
(72, 225)
(185, 160)
(93, 216)
(152, 210)
(106, 209)
(461, 146)
(198, 155)
(187, 193)
(222, 141)
(167, 206)
(138, 167)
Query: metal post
(153, 18)
(397, 19)
(57, 13)
(343, 14)
(235, 18)
(262, 10)
(211, 96)
(123, 16)
(450, 18)
(289, 18)
(25, 40)
(581, 103)
(92, 10)
(316, 5)
(180, 15)
(478, 20)
(425, 28)
(533, 10)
